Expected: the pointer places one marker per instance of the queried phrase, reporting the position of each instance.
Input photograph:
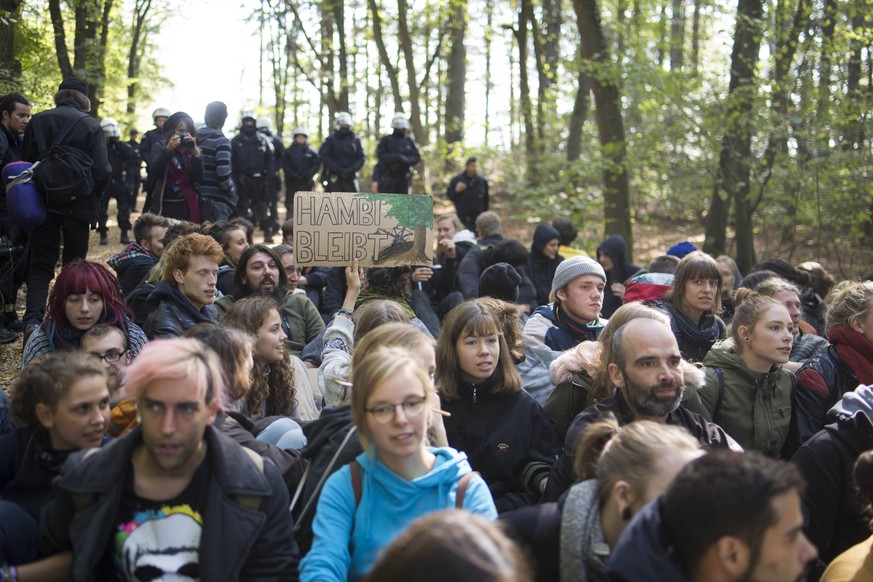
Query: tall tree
(456, 73)
(734, 174)
(610, 124)
(10, 67)
(139, 29)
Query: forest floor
(844, 257)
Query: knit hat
(575, 267)
(681, 249)
(500, 281)
(470, 160)
(74, 83)
(216, 112)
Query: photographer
(176, 171)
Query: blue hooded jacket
(348, 539)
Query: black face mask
(400, 132)
(248, 129)
(345, 130)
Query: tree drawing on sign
(414, 216)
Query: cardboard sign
(331, 229)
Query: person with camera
(176, 171)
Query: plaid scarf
(130, 251)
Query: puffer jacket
(753, 408)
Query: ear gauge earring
(626, 514)
(747, 338)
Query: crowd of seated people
(502, 414)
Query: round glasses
(384, 413)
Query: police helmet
(300, 130)
(342, 118)
(248, 115)
(264, 122)
(399, 121)
(161, 112)
(111, 128)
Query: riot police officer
(397, 155)
(120, 154)
(253, 162)
(341, 156)
(301, 164)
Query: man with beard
(259, 271)
(649, 381)
(726, 518)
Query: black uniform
(146, 149)
(301, 165)
(120, 156)
(472, 201)
(342, 157)
(397, 155)
(72, 220)
(274, 183)
(253, 164)
(132, 172)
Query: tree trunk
(60, 35)
(677, 35)
(823, 113)
(338, 7)
(411, 78)
(134, 58)
(525, 106)
(390, 71)
(853, 133)
(695, 35)
(489, 32)
(456, 75)
(610, 125)
(578, 116)
(735, 159)
(10, 67)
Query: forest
(739, 121)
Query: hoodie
(615, 248)
(348, 538)
(755, 408)
(540, 269)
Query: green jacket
(755, 408)
(299, 317)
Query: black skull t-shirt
(160, 540)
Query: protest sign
(380, 230)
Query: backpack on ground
(63, 173)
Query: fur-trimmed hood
(586, 356)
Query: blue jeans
(284, 433)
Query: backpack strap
(463, 483)
(60, 137)
(357, 478)
(327, 473)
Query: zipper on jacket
(475, 393)
(767, 412)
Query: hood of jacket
(858, 402)
(643, 551)
(542, 235)
(616, 249)
(724, 355)
(320, 431)
(584, 356)
(404, 497)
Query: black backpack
(63, 173)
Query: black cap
(500, 281)
(470, 160)
(74, 83)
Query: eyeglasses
(384, 413)
(110, 357)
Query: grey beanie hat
(574, 267)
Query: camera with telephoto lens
(185, 141)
